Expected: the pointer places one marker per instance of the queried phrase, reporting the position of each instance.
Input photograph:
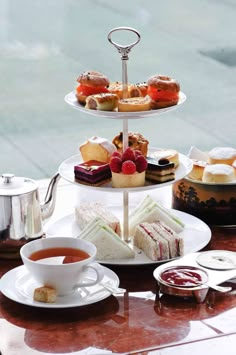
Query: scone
(218, 173)
(97, 148)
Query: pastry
(218, 173)
(161, 170)
(108, 243)
(87, 211)
(102, 102)
(117, 88)
(134, 104)
(158, 241)
(163, 90)
(222, 155)
(197, 170)
(91, 83)
(135, 141)
(97, 148)
(92, 172)
(128, 169)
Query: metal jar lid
(10, 185)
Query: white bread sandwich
(109, 245)
(151, 211)
(87, 211)
(158, 241)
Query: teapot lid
(10, 185)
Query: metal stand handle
(124, 51)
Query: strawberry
(128, 167)
(115, 164)
(128, 154)
(141, 163)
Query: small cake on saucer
(218, 173)
(197, 170)
(128, 168)
(222, 155)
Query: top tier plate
(72, 101)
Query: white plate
(72, 101)
(217, 259)
(196, 236)
(18, 285)
(66, 170)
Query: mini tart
(134, 104)
(218, 173)
(128, 180)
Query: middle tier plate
(66, 170)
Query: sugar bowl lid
(10, 185)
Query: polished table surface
(141, 321)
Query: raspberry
(137, 153)
(128, 155)
(128, 167)
(141, 163)
(116, 154)
(115, 164)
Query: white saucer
(18, 285)
(196, 235)
(217, 259)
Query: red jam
(182, 277)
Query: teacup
(50, 262)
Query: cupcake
(128, 168)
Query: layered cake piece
(158, 241)
(92, 172)
(159, 171)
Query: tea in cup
(62, 263)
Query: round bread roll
(197, 170)
(171, 154)
(218, 173)
(222, 155)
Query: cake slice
(159, 171)
(92, 172)
(108, 243)
(87, 211)
(158, 241)
(151, 211)
(97, 148)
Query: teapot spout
(48, 206)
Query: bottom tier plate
(196, 236)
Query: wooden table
(139, 322)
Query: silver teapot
(21, 213)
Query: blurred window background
(46, 44)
